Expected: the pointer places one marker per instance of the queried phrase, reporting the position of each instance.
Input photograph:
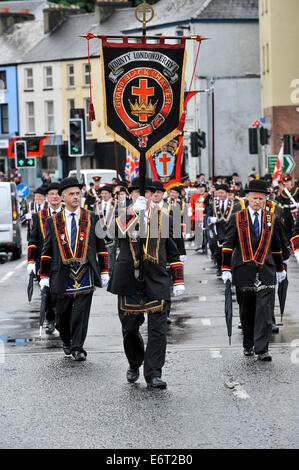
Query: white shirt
(106, 205)
(52, 210)
(160, 204)
(68, 220)
(225, 204)
(252, 212)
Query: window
(71, 76)
(87, 121)
(3, 85)
(28, 79)
(70, 105)
(49, 109)
(4, 119)
(30, 119)
(48, 77)
(86, 75)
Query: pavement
(215, 399)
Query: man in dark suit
(149, 224)
(36, 241)
(295, 239)
(252, 259)
(73, 262)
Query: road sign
(22, 191)
(288, 163)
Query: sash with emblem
(227, 213)
(43, 216)
(243, 226)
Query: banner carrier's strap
(91, 113)
(89, 36)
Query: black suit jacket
(244, 273)
(156, 278)
(59, 272)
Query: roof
(34, 6)
(174, 11)
(65, 43)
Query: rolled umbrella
(30, 286)
(282, 295)
(43, 307)
(228, 309)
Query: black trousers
(256, 310)
(50, 312)
(72, 315)
(154, 354)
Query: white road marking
(7, 276)
(215, 353)
(240, 392)
(206, 321)
(20, 265)
(202, 298)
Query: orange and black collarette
(43, 216)
(63, 241)
(227, 213)
(126, 220)
(243, 227)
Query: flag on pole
(132, 166)
(278, 170)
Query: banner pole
(142, 176)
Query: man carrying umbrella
(252, 259)
(36, 241)
(71, 262)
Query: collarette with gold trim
(243, 226)
(83, 229)
(227, 212)
(43, 215)
(105, 222)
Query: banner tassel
(91, 113)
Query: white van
(10, 232)
(86, 175)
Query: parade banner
(143, 91)
(166, 162)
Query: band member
(73, 262)
(295, 239)
(218, 215)
(137, 296)
(252, 260)
(93, 195)
(35, 206)
(36, 241)
(288, 197)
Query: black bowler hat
(69, 183)
(40, 190)
(201, 185)
(135, 184)
(178, 189)
(222, 186)
(52, 186)
(257, 186)
(158, 186)
(107, 188)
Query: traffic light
(264, 136)
(76, 137)
(22, 161)
(295, 141)
(287, 144)
(198, 142)
(253, 149)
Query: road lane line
(206, 321)
(215, 353)
(202, 298)
(240, 392)
(21, 264)
(7, 276)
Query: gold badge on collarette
(62, 236)
(268, 220)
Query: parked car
(10, 231)
(86, 175)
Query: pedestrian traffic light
(264, 136)
(76, 137)
(253, 149)
(198, 142)
(287, 144)
(295, 141)
(22, 161)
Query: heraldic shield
(143, 91)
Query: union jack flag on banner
(132, 166)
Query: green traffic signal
(21, 162)
(75, 149)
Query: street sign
(288, 163)
(23, 191)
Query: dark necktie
(222, 207)
(256, 225)
(73, 232)
(38, 208)
(105, 208)
(54, 212)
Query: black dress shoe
(79, 356)
(275, 329)
(156, 382)
(50, 328)
(67, 350)
(264, 357)
(219, 272)
(248, 352)
(132, 375)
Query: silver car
(10, 232)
